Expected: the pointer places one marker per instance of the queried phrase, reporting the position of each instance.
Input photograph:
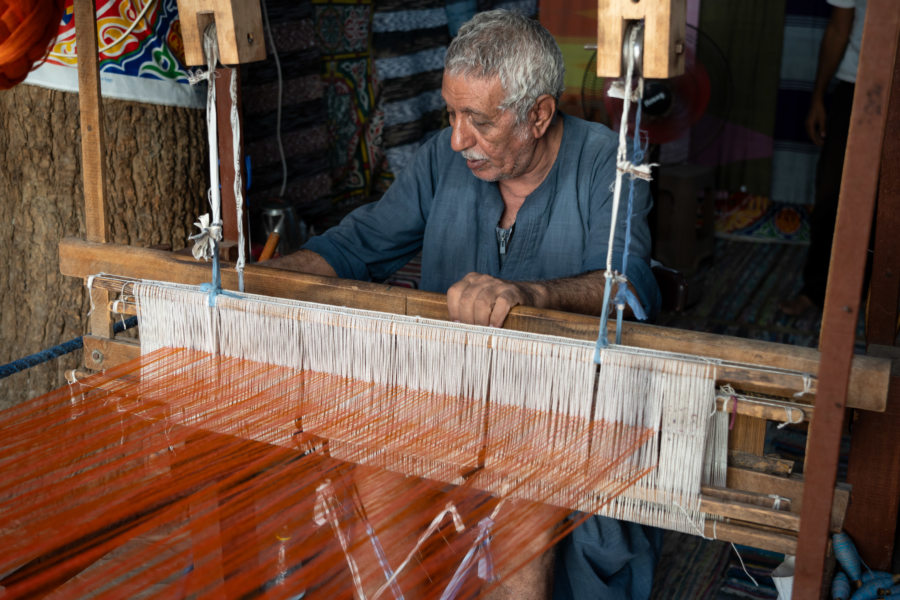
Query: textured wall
(155, 160)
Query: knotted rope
(624, 295)
(206, 242)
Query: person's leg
(609, 559)
(828, 188)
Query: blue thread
(602, 337)
(624, 295)
(56, 351)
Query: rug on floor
(747, 217)
(738, 294)
(692, 567)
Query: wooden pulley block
(663, 40)
(239, 30)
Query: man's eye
(480, 123)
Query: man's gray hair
(514, 47)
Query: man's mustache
(469, 155)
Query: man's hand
(815, 122)
(484, 300)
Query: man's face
(493, 145)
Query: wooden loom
(745, 506)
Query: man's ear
(541, 114)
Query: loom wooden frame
(853, 381)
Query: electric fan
(689, 108)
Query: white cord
(622, 152)
(128, 31)
(743, 566)
(238, 184)
(280, 91)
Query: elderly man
(510, 205)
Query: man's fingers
(482, 300)
(482, 305)
(453, 294)
(501, 309)
(469, 288)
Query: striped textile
(343, 31)
(409, 41)
(304, 134)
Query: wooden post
(881, 324)
(845, 279)
(241, 38)
(664, 36)
(93, 171)
(226, 164)
(874, 467)
(93, 168)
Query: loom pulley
(632, 52)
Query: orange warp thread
(27, 29)
(181, 474)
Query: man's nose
(461, 139)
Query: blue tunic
(438, 206)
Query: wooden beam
(759, 463)
(751, 513)
(227, 171)
(874, 472)
(93, 170)
(102, 353)
(874, 452)
(884, 286)
(790, 488)
(82, 259)
(845, 278)
(93, 166)
(774, 541)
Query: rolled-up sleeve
(376, 239)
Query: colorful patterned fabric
(759, 218)
(354, 124)
(141, 54)
(409, 40)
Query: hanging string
(624, 295)
(206, 243)
(238, 184)
(623, 166)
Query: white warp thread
(552, 378)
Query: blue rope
(624, 295)
(56, 351)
